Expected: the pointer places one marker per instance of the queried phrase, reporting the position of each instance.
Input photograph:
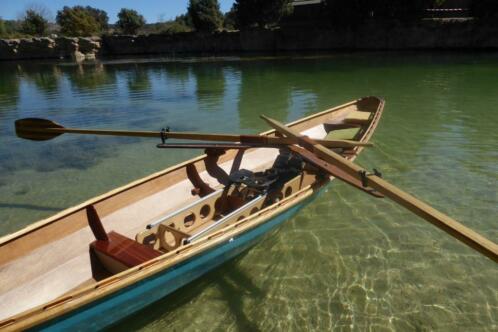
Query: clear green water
(346, 262)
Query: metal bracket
(364, 176)
(364, 179)
(377, 173)
(163, 134)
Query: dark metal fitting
(364, 179)
(163, 134)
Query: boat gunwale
(90, 293)
(74, 209)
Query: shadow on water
(233, 286)
(62, 153)
(439, 123)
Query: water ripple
(346, 262)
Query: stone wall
(49, 48)
(179, 43)
(428, 35)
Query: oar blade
(36, 129)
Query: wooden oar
(42, 130)
(335, 171)
(218, 146)
(447, 224)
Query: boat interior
(129, 226)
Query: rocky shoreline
(77, 49)
(371, 36)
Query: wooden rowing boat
(96, 263)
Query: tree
(260, 12)
(130, 21)
(77, 21)
(400, 9)
(181, 23)
(354, 12)
(485, 10)
(34, 24)
(346, 12)
(82, 21)
(3, 31)
(12, 28)
(100, 16)
(205, 15)
(230, 19)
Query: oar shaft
(437, 218)
(221, 146)
(249, 139)
(97, 132)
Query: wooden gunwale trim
(128, 277)
(372, 125)
(41, 223)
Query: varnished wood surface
(42, 129)
(334, 171)
(437, 218)
(126, 251)
(115, 209)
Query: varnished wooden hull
(125, 302)
(106, 301)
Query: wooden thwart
(447, 224)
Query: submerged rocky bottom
(347, 261)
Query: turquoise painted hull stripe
(117, 306)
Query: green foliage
(439, 3)
(179, 24)
(12, 29)
(346, 12)
(174, 27)
(354, 12)
(230, 19)
(399, 9)
(34, 24)
(485, 10)
(3, 30)
(262, 13)
(100, 16)
(130, 21)
(205, 15)
(81, 21)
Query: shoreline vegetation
(255, 26)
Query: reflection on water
(9, 86)
(346, 262)
(86, 78)
(210, 85)
(260, 95)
